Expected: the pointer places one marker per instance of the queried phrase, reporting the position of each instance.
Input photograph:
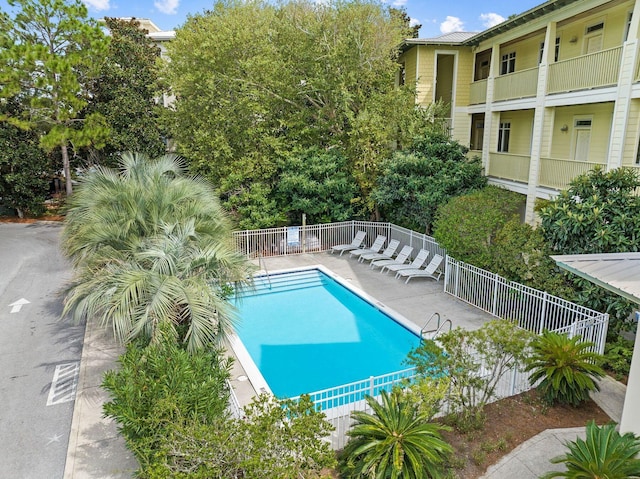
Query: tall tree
(48, 51)
(153, 250)
(254, 81)
(25, 169)
(125, 93)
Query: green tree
(396, 441)
(317, 183)
(566, 368)
(413, 184)
(25, 169)
(48, 53)
(125, 93)
(324, 78)
(152, 247)
(598, 213)
(604, 453)
(467, 225)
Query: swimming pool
(307, 330)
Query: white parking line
(64, 383)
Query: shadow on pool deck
(416, 301)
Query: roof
(617, 272)
(474, 38)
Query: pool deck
(416, 301)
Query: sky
(436, 16)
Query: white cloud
(170, 7)
(399, 3)
(491, 19)
(452, 24)
(413, 22)
(98, 4)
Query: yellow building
(541, 97)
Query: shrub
(565, 367)
(467, 225)
(473, 362)
(617, 357)
(394, 441)
(605, 453)
(163, 384)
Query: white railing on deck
(533, 309)
(593, 70)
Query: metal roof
(617, 272)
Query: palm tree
(396, 441)
(605, 453)
(151, 246)
(566, 368)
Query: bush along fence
(533, 310)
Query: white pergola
(619, 273)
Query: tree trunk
(67, 169)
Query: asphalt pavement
(40, 354)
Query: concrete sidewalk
(531, 459)
(96, 450)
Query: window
(556, 52)
(504, 132)
(627, 26)
(595, 28)
(508, 64)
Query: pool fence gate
(533, 309)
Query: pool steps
(277, 283)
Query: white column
(489, 116)
(539, 121)
(631, 411)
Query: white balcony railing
(478, 92)
(594, 70)
(556, 173)
(521, 84)
(509, 166)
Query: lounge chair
(376, 247)
(402, 257)
(355, 244)
(386, 254)
(431, 271)
(418, 261)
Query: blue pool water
(306, 332)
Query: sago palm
(151, 246)
(396, 441)
(604, 453)
(566, 368)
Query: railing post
(495, 294)
(543, 315)
(371, 386)
(457, 288)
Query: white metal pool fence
(533, 309)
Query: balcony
(594, 70)
(478, 92)
(521, 84)
(509, 166)
(557, 174)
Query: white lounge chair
(386, 254)
(431, 271)
(376, 247)
(355, 244)
(402, 257)
(418, 261)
